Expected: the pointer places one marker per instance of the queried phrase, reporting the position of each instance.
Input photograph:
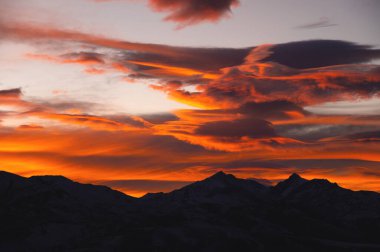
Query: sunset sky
(149, 95)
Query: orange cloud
(93, 70)
(92, 156)
(95, 122)
(173, 71)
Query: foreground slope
(220, 213)
(45, 212)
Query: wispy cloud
(323, 22)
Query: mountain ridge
(219, 213)
(293, 179)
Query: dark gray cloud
(320, 53)
(321, 23)
(301, 164)
(369, 136)
(188, 12)
(8, 93)
(273, 110)
(206, 59)
(307, 132)
(251, 127)
(159, 118)
(330, 164)
(84, 57)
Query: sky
(150, 95)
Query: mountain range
(220, 213)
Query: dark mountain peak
(84, 192)
(219, 173)
(324, 183)
(51, 179)
(8, 175)
(296, 185)
(219, 188)
(10, 180)
(219, 179)
(221, 176)
(295, 176)
(4, 173)
(290, 184)
(224, 180)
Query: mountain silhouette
(220, 213)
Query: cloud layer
(252, 116)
